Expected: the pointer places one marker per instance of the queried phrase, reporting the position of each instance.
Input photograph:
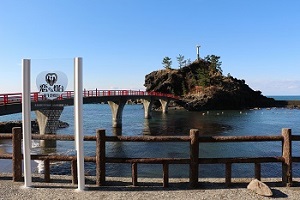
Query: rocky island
(202, 86)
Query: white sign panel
(51, 84)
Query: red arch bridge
(49, 111)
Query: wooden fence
(286, 139)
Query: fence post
(287, 177)
(194, 156)
(257, 171)
(47, 170)
(17, 153)
(165, 175)
(228, 174)
(100, 157)
(74, 171)
(134, 174)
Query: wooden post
(17, 154)
(47, 170)
(134, 174)
(74, 172)
(258, 171)
(165, 175)
(228, 174)
(287, 177)
(194, 156)
(100, 157)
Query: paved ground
(61, 187)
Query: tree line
(206, 74)
(167, 62)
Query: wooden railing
(13, 98)
(193, 160)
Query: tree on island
(215, 64)
(181, 61)
(211, 74)
(167, 62)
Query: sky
(121, 41)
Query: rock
(260, 188)
(223, 93)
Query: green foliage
(211, 74)
(188, 61)
(215, 64)
(167, 62)
(203, 77)
(181, 61)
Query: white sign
(51, 84)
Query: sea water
(177, 122)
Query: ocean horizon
(285, 97)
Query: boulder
(260, 188)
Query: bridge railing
(97, 93)
(12, 98)
(194, 160)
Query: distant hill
(203, 87)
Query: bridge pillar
(147, 107)
(48, 121)
(117, 110)
(164, 105)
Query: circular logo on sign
(51, 84)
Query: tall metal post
(78, 121)
(26, 118)
(198, 52)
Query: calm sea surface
(178, 122)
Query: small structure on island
(198, 52)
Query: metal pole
(26, 118)
(78, 101)
(198, 52)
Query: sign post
(78, 121)
(26, 118)
(52, 85)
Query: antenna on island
(198, 52)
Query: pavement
(61, 187)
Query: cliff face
(223, 92)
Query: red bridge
(16, 98)
(49, 111)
